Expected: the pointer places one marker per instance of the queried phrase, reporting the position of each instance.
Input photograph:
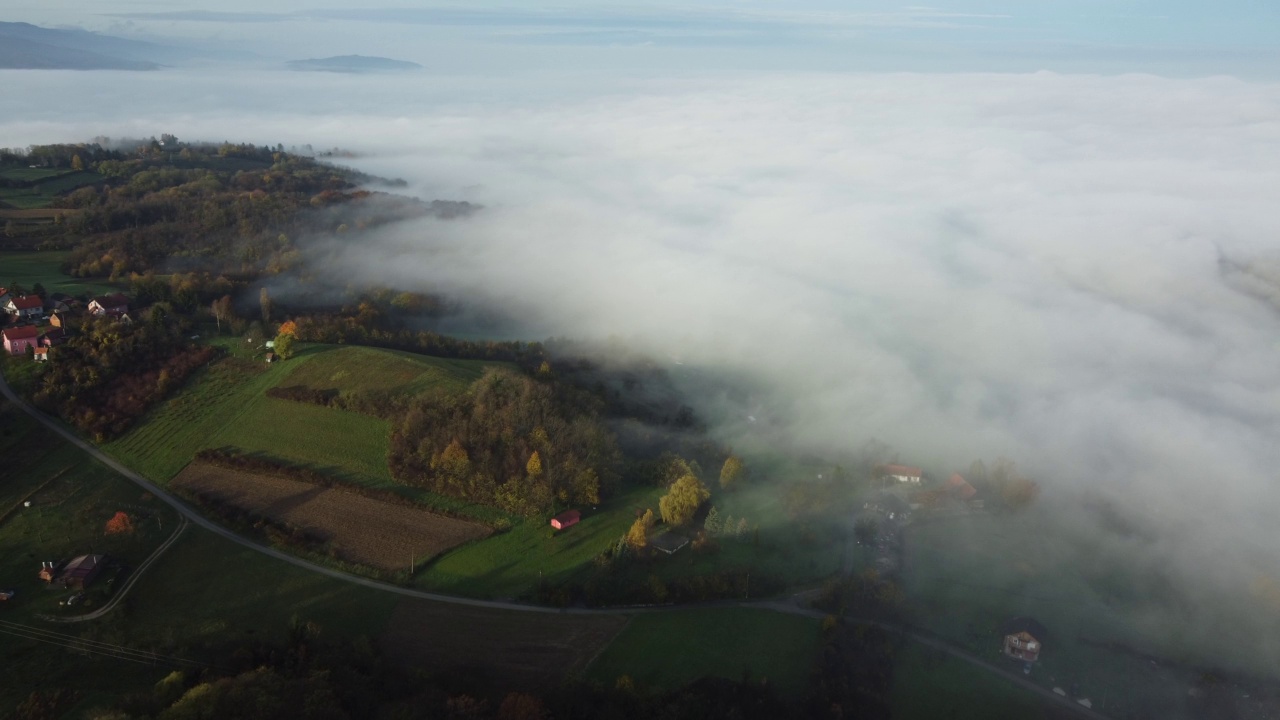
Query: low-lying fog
(1081, 273)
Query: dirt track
(361, 530)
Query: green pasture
(30, 174)
(512, 563)
(45, 186)
(212, 401)
(333, 442)
(207, 592)
(72, 497)
(928, 684)
(672, 648)
(356, 370)
(226, 405)
(45, 267)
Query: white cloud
(961, 265)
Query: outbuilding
(568, 518)
(81, 571)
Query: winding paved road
(791, 606)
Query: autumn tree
(731, 472)
(288, 327)
(534, 466)
(520, 706)
(264, 300)
(77, 163)
(638, 535)
(119, 524)
(284, 346)
(586, 487)
(221, 310)
(1019, 492)
(682, 501)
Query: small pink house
(18, 339)
(566, 519)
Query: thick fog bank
(1077, 272)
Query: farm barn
(566, 519)
(81, 571)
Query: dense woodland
(521, 443)
(108, 373)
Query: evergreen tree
(713, 524)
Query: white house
(115, 305)
(903, 473)
(27, 307)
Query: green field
(354, 369)
(930, 684)
(45, 267)
(668, 649)
(225, 405)
(512, 563)
(71, 498)
(46, 185)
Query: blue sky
(1170, 37)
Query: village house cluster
(37, 325)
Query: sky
(1041, 230)
(1174, 37)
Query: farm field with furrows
(361, 530)
(521, 648)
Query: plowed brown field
(361, 530)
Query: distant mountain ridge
(28, 47)
(354, 64)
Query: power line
(72, 642)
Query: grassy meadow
(513, 562)
(72, 497)
(225, 405)
(668, 649)
(28, 267)
(930, 684)
(46, 184)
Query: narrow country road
(793, 608)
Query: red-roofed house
(566, 519)
(42, 354)
(116, 304)
(959, 488)
(903, 473)
(18, 339)
(26, 307)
